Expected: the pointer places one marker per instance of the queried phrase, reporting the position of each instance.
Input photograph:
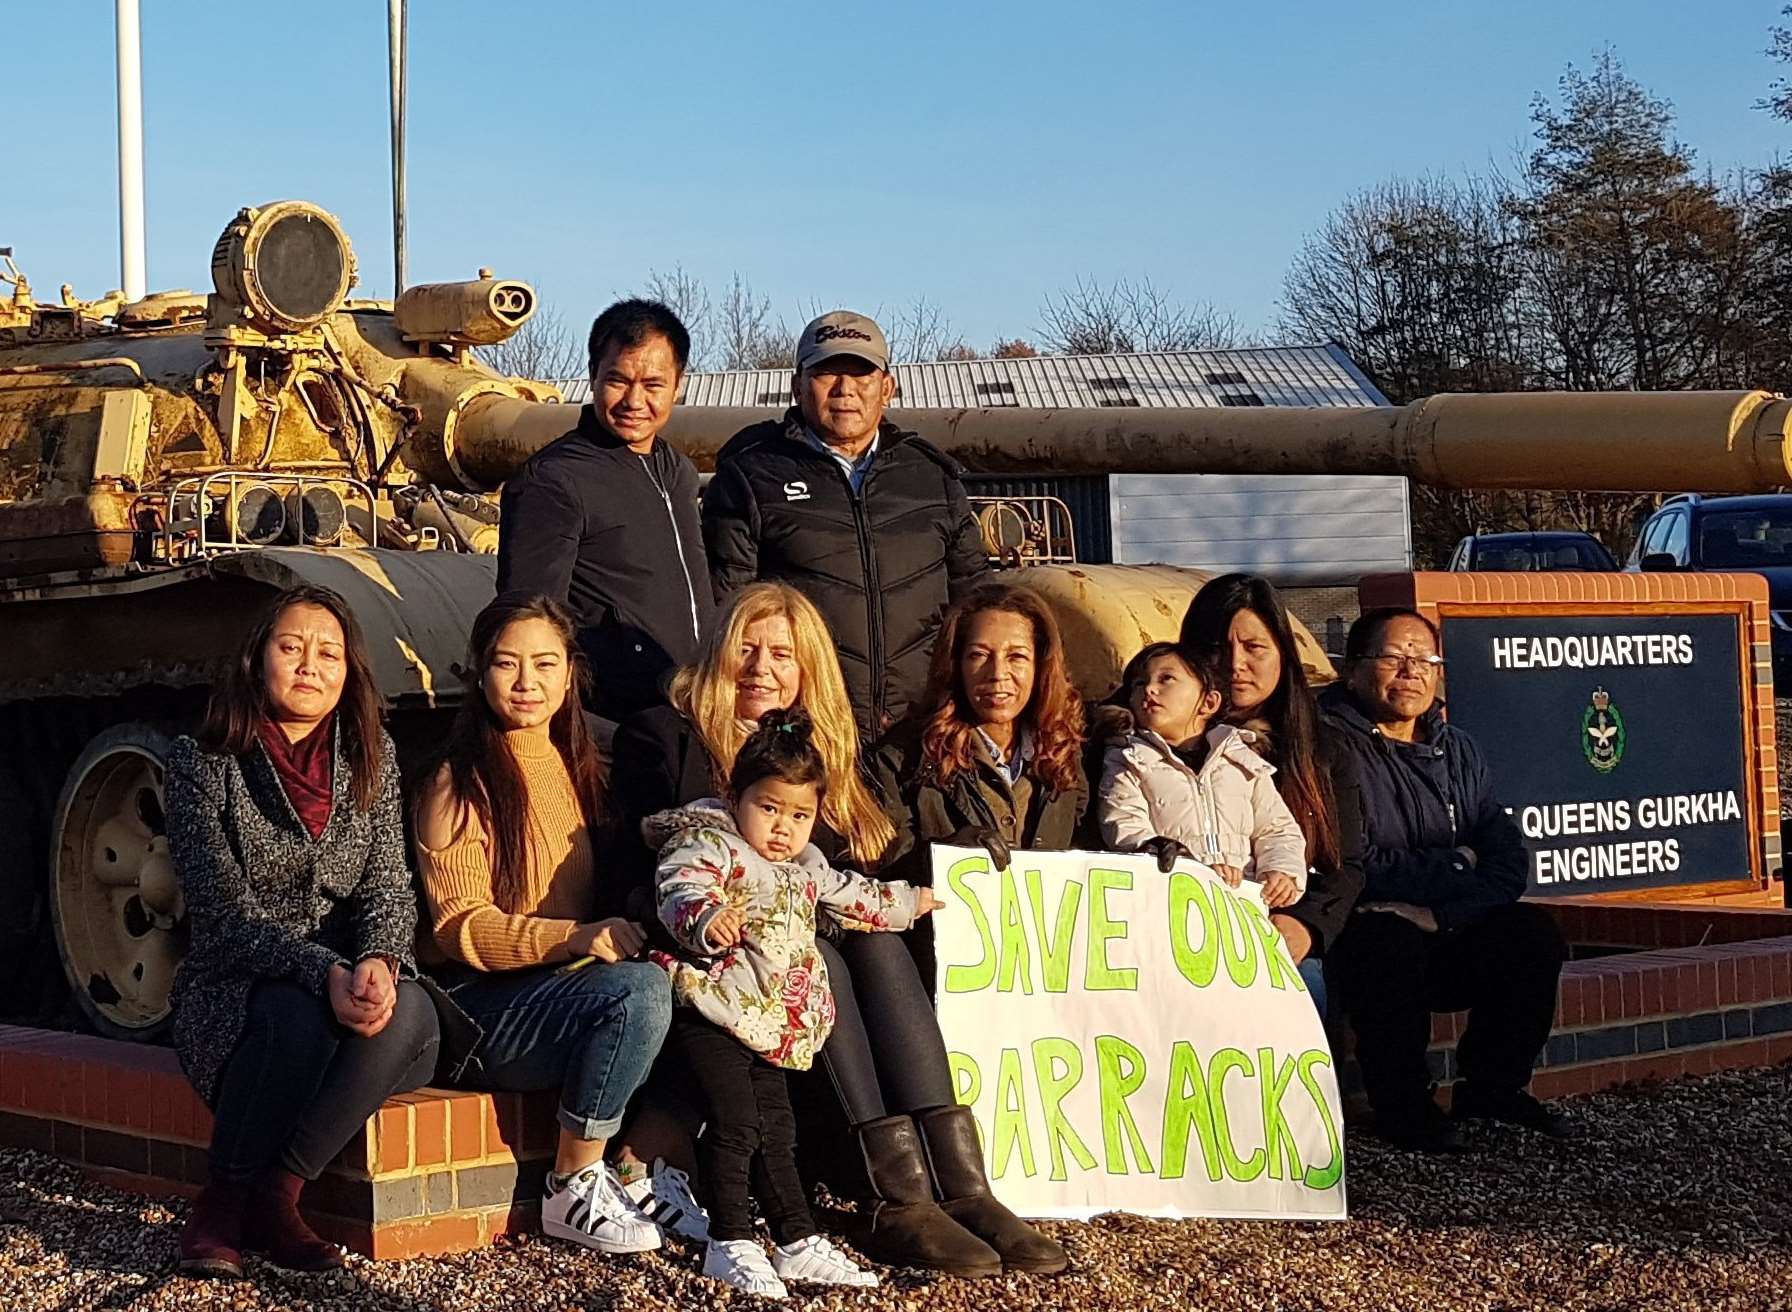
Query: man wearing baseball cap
(868, 521)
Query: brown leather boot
(274, 1227)
(956, 1160)
(211, 1242)
(907, 1227)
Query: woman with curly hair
(992, 756)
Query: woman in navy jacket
(1439, 926)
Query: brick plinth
(1655, 1016)
(434, 1171)
(440, 1171)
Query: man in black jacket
(870, 522)
(604, 519)
(1439, 926)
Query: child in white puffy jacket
(1177, 787)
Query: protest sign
(1131, 1040)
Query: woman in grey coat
(296, 1010)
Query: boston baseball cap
(841, 332)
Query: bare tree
(1420, 281)
(544, 349)
(1090, 319)
(681, 292)
(746, 335)
(920, 331)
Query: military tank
(166, 464)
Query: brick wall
(441, 1171)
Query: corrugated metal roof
(1268, 376)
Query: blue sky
(977, 154)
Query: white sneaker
(591, 1209)
(665, 1198)
(741, 1263)
(816, 1261)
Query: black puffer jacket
(881, 564)
(614, 537)
(1421, 802)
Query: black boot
(956, 1160)
(907, 1227)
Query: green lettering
(1272, 1083)
(1098, 974)
(1011, 1131)
(1116, 1086)
(1187, 1108)
(1322, 1177)
(971, 979)
(1221, 1064)
(1275, 948)
(1017, 957)
(1238, 946)
(1055, 947)
(1048, 1055)
(1197, 965)
(967, 1080)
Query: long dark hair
(781, 748)
(1054, 710)
(483, 776)
(239, 703)
(1292, 712)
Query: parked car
(1530, 552)
(1748, 534)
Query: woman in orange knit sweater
(504, 843)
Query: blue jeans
(1312, 974)
(591, 1029)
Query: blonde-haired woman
(885, 1059)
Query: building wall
(1296, 530)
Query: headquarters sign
(1130, 1040)
(1616, 741)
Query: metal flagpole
(397, 39)
(130, 151)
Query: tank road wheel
(120, 921)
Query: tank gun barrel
(1576, 441)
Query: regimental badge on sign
(1602, 732)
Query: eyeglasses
(1400, 663)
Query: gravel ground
(1677, 1196)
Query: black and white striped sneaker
(664, 1197)
(592, 1209)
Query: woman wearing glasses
(1439, 926)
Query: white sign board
(1133, 1041)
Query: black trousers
(1391, 975)
(885, 1055)
(748, 1145)
(298, 1086)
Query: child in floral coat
(738, 883)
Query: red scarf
(305, 770)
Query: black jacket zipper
(873, 593)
